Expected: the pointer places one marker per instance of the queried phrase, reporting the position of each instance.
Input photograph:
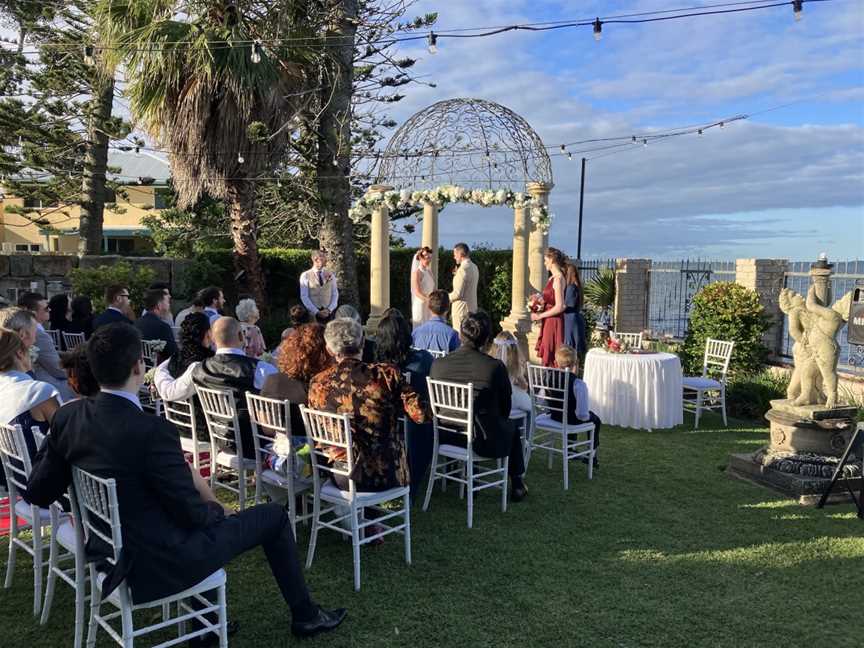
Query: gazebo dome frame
(470, 143)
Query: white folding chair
(453, 411)
(17, 466)
(270, 418)
(704, 392)
(629, 340)
(96, 511)
(149, 352)
(67, 541)
(182, 414)
(550, 394)
(56, 338)
(73, 340)
(435, 353)
(220, 412)
(330, 432)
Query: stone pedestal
(518, 322)
(766, 277)
(632, 293)
(804, 451)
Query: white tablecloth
(635, 391)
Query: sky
(786, 183)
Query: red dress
(552, 331)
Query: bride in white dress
(422, 283)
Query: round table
(640, 391)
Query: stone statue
(814, 328)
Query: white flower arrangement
(440, 196)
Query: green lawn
(660, 549)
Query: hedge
(282, 269)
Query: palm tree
(219, 88)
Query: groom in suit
(463, 298)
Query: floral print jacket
(375, 396)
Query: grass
(660, 549)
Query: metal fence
(842, 281)
(673, 286)
(589, 269)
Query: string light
(797, 8)
(634, 139)
(432, 42)
(598, 30)
(255, 56)
(89, 50)
(563, 148)
(721, 124)
(569, 156)
(699, 132)
(240, 158)
(645, 142)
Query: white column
(538, 241)
(518, 321)
(379, 262)
(430, 235)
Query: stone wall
(767, 278)
(50, 274)
(632, 290)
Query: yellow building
(143, 178)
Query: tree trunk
(244, 232)
(334, 153)
(95, 165)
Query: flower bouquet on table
(536, 303)
(614, 345)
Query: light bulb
(598, 30)
(137, 150)
(89, 51)
(797, 8)
(563, 148)
(700, 132)
(644, 142)
(722, 124)
(240, 158)
(432, 42)
(255, 57)
(634, 139)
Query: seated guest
(505, 347)
(82, 317)
(248, 314)
(173, 378)
(46, 366)
(195, 306)
(375, 396)
(152, 324)
(298, 315)
(577, 403)
(23, 401)
(347, 310)
(302, 356)
(437, 334)
(81, 378)
(22, 322)
(164, 286)
(117, 298)
(230, 368)
(393, 346)
(495, 435)
(175, 533)
(214, 302)
(59, 313)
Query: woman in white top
(173, 378)
(422, 283)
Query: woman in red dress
(552, 317)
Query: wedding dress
(420, 312)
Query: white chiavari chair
(73, 340)
(704, 392)
(630, 340)
(184, 417)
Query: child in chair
(577, 403)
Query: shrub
(91, 282)
(750, 396)
(731, 312)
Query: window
(160, 198)
(31, 202)
(120, 245)
(28, 247)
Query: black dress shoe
(518, 493)
(211, 639)
(324, 621)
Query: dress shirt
(174, 389)
(132, 398)
(580, 393)
(212, 313)
(435, 335)
(304, 290)
(262, 369)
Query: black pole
(581, 202)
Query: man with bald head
(232, 369)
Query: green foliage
(731, 312)
(200, 272)
(93, 281)
(749, 396)
(600, 291)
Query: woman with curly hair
(173, 378)
(302, 355)
(552, 318)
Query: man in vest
(318, 290)
(232, 369)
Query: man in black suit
(175, 533)
(152, 323)
(117, 298)
(494, 434)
